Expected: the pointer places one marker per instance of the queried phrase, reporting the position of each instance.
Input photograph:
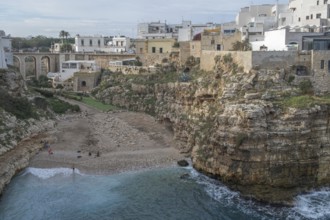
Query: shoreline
(96, 143)
(107, 143)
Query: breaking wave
(48, 173)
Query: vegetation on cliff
(263, 132)
(25, 112)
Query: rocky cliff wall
(245, 129)
(22, 123)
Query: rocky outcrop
(239, 128)
(18, 158)
(19, 131)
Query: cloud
(109, 17)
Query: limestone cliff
(254, 131)
(23, 117)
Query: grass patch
(304, 101)
(98, 104)
(61, 107)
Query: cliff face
(22, 121)
(245, 129)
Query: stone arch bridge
(52, 60)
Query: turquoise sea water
(153, 194)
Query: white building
(254, 20)
(89, 43)
(68, 68)
(311, 14)
(182, 32)
(282, 40)
(189, 30)
(156, 30)
(6, 54)
(118, 44)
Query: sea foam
(48, 173)
(314, 205)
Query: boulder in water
(183, 163)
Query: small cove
(150, 194)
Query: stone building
(69, 68)
(154, 51)
(84, 81)
(217, 39)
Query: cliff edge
(23, 122)
(263, 133)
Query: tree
(64, 34)
(242, 45)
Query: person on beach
(50, 151)
(46, 145)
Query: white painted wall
(3, 64)
(305, 12)
(68, 68)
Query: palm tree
(62, 35)
(66, 35)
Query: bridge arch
(42, 62)
(30, 66)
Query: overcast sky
(22, 18)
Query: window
(218, 46)
(153, 49)
(212, 41)
(90, 43)
(325, 1)
(317, 2)
(161, 50)
(141, 50)
(307, 17)
(328, 66)
(65, 65)
(73, 65)
(318, 15)
(322, 64)
(82, 42)
(311, 16)
(298, 19)
(99, 43)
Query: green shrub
(306, 87)
(291, 78)
(40, 103)
(46, 93)
(18, 106)
(227, 58)
(240, 138)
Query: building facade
(161, 30)
(69, 68)
(311, 14)
(117, 44)
(6, 54)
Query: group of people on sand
(47, 147)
